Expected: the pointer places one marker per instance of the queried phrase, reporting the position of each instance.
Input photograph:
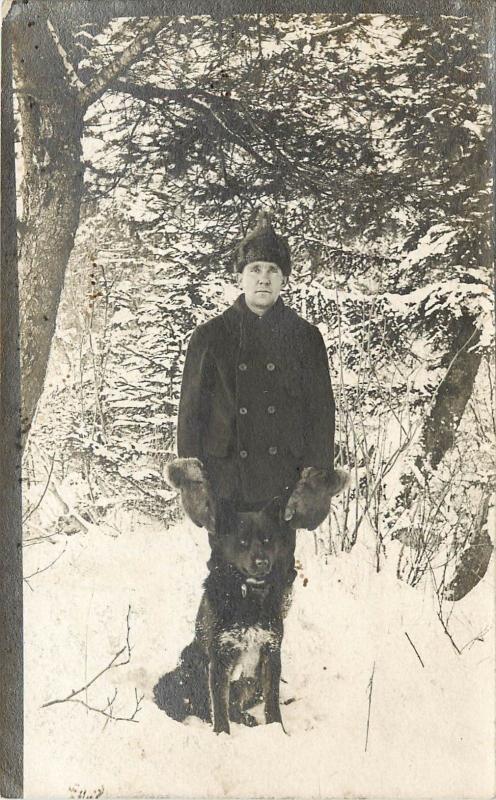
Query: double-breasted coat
(256, 402)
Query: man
(256, 423)
(256, 405)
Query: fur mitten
(188, 475)
(310, 501)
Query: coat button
(243, 410)
(243, 454)
(271, 367)
(272, 451)
(242, 367)
(271, 410)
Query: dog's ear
(310, 501)
(275, 509)
(226, 518)
(188, 475)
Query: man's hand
(310, 501)
(188, 475)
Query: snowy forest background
(145, 147)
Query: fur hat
(263, 244)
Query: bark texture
(52, 103)
(462, 362)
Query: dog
(240, 620)
(235, 658)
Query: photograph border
(15, 13)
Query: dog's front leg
(219, 680)
(271, 676)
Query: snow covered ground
(349, 646)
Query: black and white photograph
(248, 257)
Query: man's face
(261, 282)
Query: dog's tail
(184, 691)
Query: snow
(434, 242)
(430, 725)
(473, 127)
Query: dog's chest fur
(245, 645)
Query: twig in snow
(114, 662)
(36, 539)
(37, 504)
(370, 687)
(416, 651)
(478, 638)
(448, 634)
(440, 612)
(106, 711)
(110, 704)
(39, 571)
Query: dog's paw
(249, 720)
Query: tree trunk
(52, 183)
(52, 103)
(462, 363)
(51, 196)
(441, 423)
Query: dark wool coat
(256, 402)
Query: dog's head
(253, 542)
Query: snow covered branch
(194, 99)
(100, 83)
(73, 77)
